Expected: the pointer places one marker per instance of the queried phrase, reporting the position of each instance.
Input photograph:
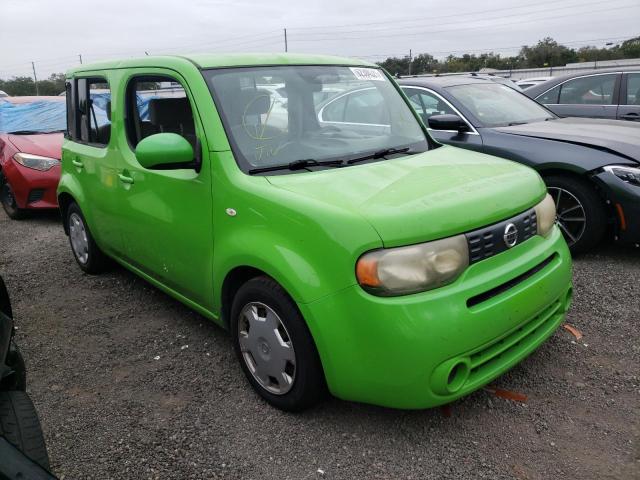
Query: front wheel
(85, 250)
(8, 200)
(580, 212)
(274, 346)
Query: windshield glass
(282, 114)
(496, 105)
(40, 116)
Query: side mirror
(448, 122)
(165, 151)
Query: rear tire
(9, 201)
(575, 199)
(19, 424)
(85, 250)
(295, 383)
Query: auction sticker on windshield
(368, 74)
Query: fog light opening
(568, 300)
(457, 376)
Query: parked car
(3, 94)
(30, 148)
(591, 167)
(21, 438)
(607, 93)
(531, 82)
(358, 256)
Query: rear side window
(89, 118)
(550, 97)
(594, 90)
(633, 89)
(158, 104)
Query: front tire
(581, 213)
(274, 346)
(19, 424)
(8, 200)
(85, 250)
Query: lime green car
(297, 201)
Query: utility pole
(35, 79)
(286, 47)
(410, 59)
(80, 57)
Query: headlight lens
(628, 174)
(545, 215)
(416, 268)
(35, 162)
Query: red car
(31, 134)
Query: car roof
(445, 80)
(209, 60)
(33, 98)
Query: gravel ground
(131, 384)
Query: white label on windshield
(368, 74)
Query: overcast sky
(53, 33)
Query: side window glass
(435, 106)
(633, 89)
(550, 97)
(158, 104)
(71, 131)
(366, 106)
(594, 90)
(334, 111)
(93, 111)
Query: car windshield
(39, 116)
(282, 114)
(495, 105)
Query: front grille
(35, 195)
(505, 349)
(489, 241)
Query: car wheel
(15, 361)
(581, 213)
(9, 200)
(86, 252)
(274, 346)
(19, 424)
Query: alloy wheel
(570, 214)
(79, 239)
(266, 348)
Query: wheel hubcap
(79, 240)
(266, 348)
(570, 214)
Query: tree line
(546, 53)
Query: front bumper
(31, 188)
(625, 200)
(427, 349)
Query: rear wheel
(85, 250)
(581, 213)
(19, 424)
(9, 200)
(274, 346)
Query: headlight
(545, 215)
(416, 268)
(628, 174)
(35, 162)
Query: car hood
(423, 197)
(44, 144)
(617, 136)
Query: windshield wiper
(513, 124)
(298, 165)
(380, 154)
(24, 132)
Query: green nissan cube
(298, 202)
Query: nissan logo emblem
(510, 235)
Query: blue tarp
(38, 116)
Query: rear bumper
(625, 201)
(428, 349)
(31, 188)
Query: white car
(3, 94)
(530, 82)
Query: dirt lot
(131, 384)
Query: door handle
(125, 179)
(631, 116)
(77, 163)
